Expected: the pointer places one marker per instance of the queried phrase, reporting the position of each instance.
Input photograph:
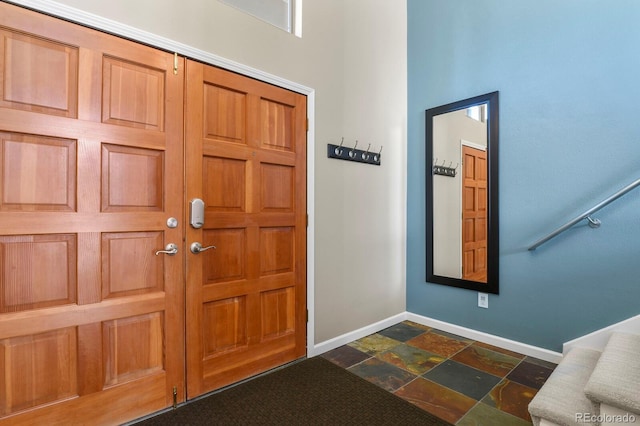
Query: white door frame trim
(100, 23)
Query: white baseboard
(336, 342)
(501, 342)
(598, 339)
(479, 336)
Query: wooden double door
(106, 314)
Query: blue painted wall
(568, 73)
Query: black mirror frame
(493, 234)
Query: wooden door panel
(39, 75)
(277, 187)
(481, 259)
(470, 198)
(278, 312)
(132, 94)
(129, 266)
(469, 230)
(133, 347)
(224, 183)
(91, 168)
(224, 113)
(469, 164)
(481, 229)
(229, 261)
(277, 249)
(28, 261)
(482, 199)
(225, 324)
(277, 129)
(481, 170)
(122, 165)
(45, 168)
(246, 160)
(37, 369)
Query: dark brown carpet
(310, 392)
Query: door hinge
(307, 124)
(307, 315)
(175, 397)
(307, 220)
(175, 63)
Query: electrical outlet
(483, 300)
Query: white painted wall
(353, 54)
(361, 213)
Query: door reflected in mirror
(462, 193)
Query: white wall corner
(336, 342)
(598, 339)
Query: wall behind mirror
(462, 193)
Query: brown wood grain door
(91, 168)
(474, 214)
(246, 156)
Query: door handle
(170, 249)
(197, 248)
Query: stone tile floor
(462, 381)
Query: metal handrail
(594, 223)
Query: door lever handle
(170, 249)
(197, 248)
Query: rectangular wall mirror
(462, 194)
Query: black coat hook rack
(341, 152)
(444, 170)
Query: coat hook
(376, 157)
(338, 149)
(352, 153)
(365, 155)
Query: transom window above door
(284, 14)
